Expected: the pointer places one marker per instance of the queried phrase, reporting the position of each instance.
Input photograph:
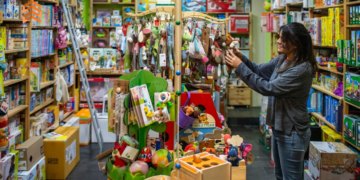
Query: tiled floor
(260, 169)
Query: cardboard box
(62, 153)
(37, 172)
(30, 152)
(331, 161)
(9, 166)
(350, 133)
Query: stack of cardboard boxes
(53, 157)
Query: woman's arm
(288, 81)
(264, 70)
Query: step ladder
(84, 80)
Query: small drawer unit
(239, 96)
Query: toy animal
(188, 110)
(233, 156)
(61, 39)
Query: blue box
(319, 103)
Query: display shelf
(322, 119)
(15, 50)
(14, 81)
(349, 103)
(322, 89)
(358, 148)
(44, 104)
(43, 27)
(104, 27)
(108, 74)
(353, 3)
(46, 84)
(353, 26)
(320, 46)
(66, 115)
(43, 56)
(327, 7)
(279, 9)
(122, 3)
(12, 20)
(66, 64)
(297, 4)
(49, 2)
(16, 110)
(330, 70)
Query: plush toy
(233, 156)
(188, 110)
(61, 39)
(230, 41)
(227, 137)
(78, 36)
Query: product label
(22, 166)
(71, 152)
(162, 60)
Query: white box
(85, 127)
(12, 140)
(108, 137)
(39, 167)
(74, 122)
(8, 172)
(307, 175)
(70, 70)
(331, 161)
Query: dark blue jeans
(288, 154)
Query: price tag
(162, 58)
(191, 138)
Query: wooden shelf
(358, 148)
(244, 48)
(16, 50)
(322, 89)
(13, 81)
(68, 114)
(43, 104)
(109, 74)
(12, 20)
(16, 110)
(279, 9)
(330, 70)
(46, 84)
(49, 2)
(322, 119)
(349, 103)
(66, 64)
(43, 27)
(320, 46)
(69, 86)
(353, 26)
(105, 27)
(43, 56)
(353, 3)
(295, 4)
(122, 3)
(332, 6)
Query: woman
(287, 81)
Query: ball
(267, 5)
(177, 165)
(139, 167)
(178, 73)
(161, 158)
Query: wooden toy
(210, 167)
(160, 177)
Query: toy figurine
(233, 156)
(61, 39)
(226, 138)
(145, 155)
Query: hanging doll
(170, 42)
(186, 38)
(155, 48)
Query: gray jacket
(288, 92)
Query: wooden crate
(239, 96)
(220, 171)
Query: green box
(340, 51)
(350, 128)
(351, 88)
(346, 51)
(357, 48)
(356, 15)
(353, 50)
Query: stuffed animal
(233, 156)
(188, 110)
(230, 41)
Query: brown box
(30, 152)
(62, 153)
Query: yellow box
(331, 26)
(54, 110)
(62, 153)
(329, 135)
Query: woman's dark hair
(298, 36)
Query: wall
(258, 45)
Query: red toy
(226, 138)
(169, 144)
(145, 155)
(205, 100)
(221, 6)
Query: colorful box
(116, 21)
(353, 49)
(239, 23)
(37, 172)
(197, 6)
(97, 22)
(53, 116)
(331, 161)
(351, 88)
(350, 129)
(340, 51)
(329, 135)
(9, 166)
(35, 76)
